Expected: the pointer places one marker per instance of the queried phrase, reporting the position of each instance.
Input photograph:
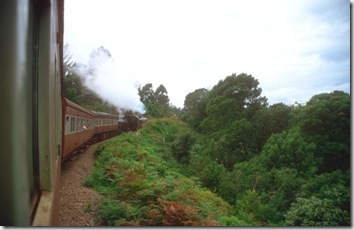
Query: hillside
(138, 178)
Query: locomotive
(39, 127)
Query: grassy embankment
(141, 184)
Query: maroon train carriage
(106, 125)
(82, 126)
(41, 127)
(78, 127)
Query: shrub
(316, 212)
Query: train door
(19, 177)
(27, 164)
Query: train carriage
(39, 128)
(78, 127)
(106, 125)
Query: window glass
(72, 124)
(67, 124)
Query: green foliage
(181, 147)
(252, 209)
(290, 149)
(262, 160)
(231, 105)
(212, 174)
(316, 212)
(156, 102)
(232, 221)
(195, 107)
(333, 186)
(271, 166)
(268, 121)
(325, 120)
(233, 98)
(234, 143)
(140, 188)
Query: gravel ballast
(77, 202)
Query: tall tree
(325, 120)
(267, 121)
(161, 96)
(156, 102)
(231, 105)
(235, 97)
(195, 107)
(146, 94)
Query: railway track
(77, 202)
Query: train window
(72, 124)
(67, 124)
(77, 124)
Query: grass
(141, 184)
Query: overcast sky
(295, 48)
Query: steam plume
(101, 76)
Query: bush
(139, 187)
(316, 212)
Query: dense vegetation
(263, 165)
(142, 185)
(279, 164)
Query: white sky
(295, 48)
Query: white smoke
(101, 76)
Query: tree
(334, 186)
(161, 96)
(316, 212)
(290, 150)
(267, 121)
(162, 100)
(69, 61)
(325, 120)
(146, 94)
(156, 102)
(234, 143)
(195, 107)
(231, 105)
(234, 98)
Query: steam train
(39, 127)
(82, 125)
